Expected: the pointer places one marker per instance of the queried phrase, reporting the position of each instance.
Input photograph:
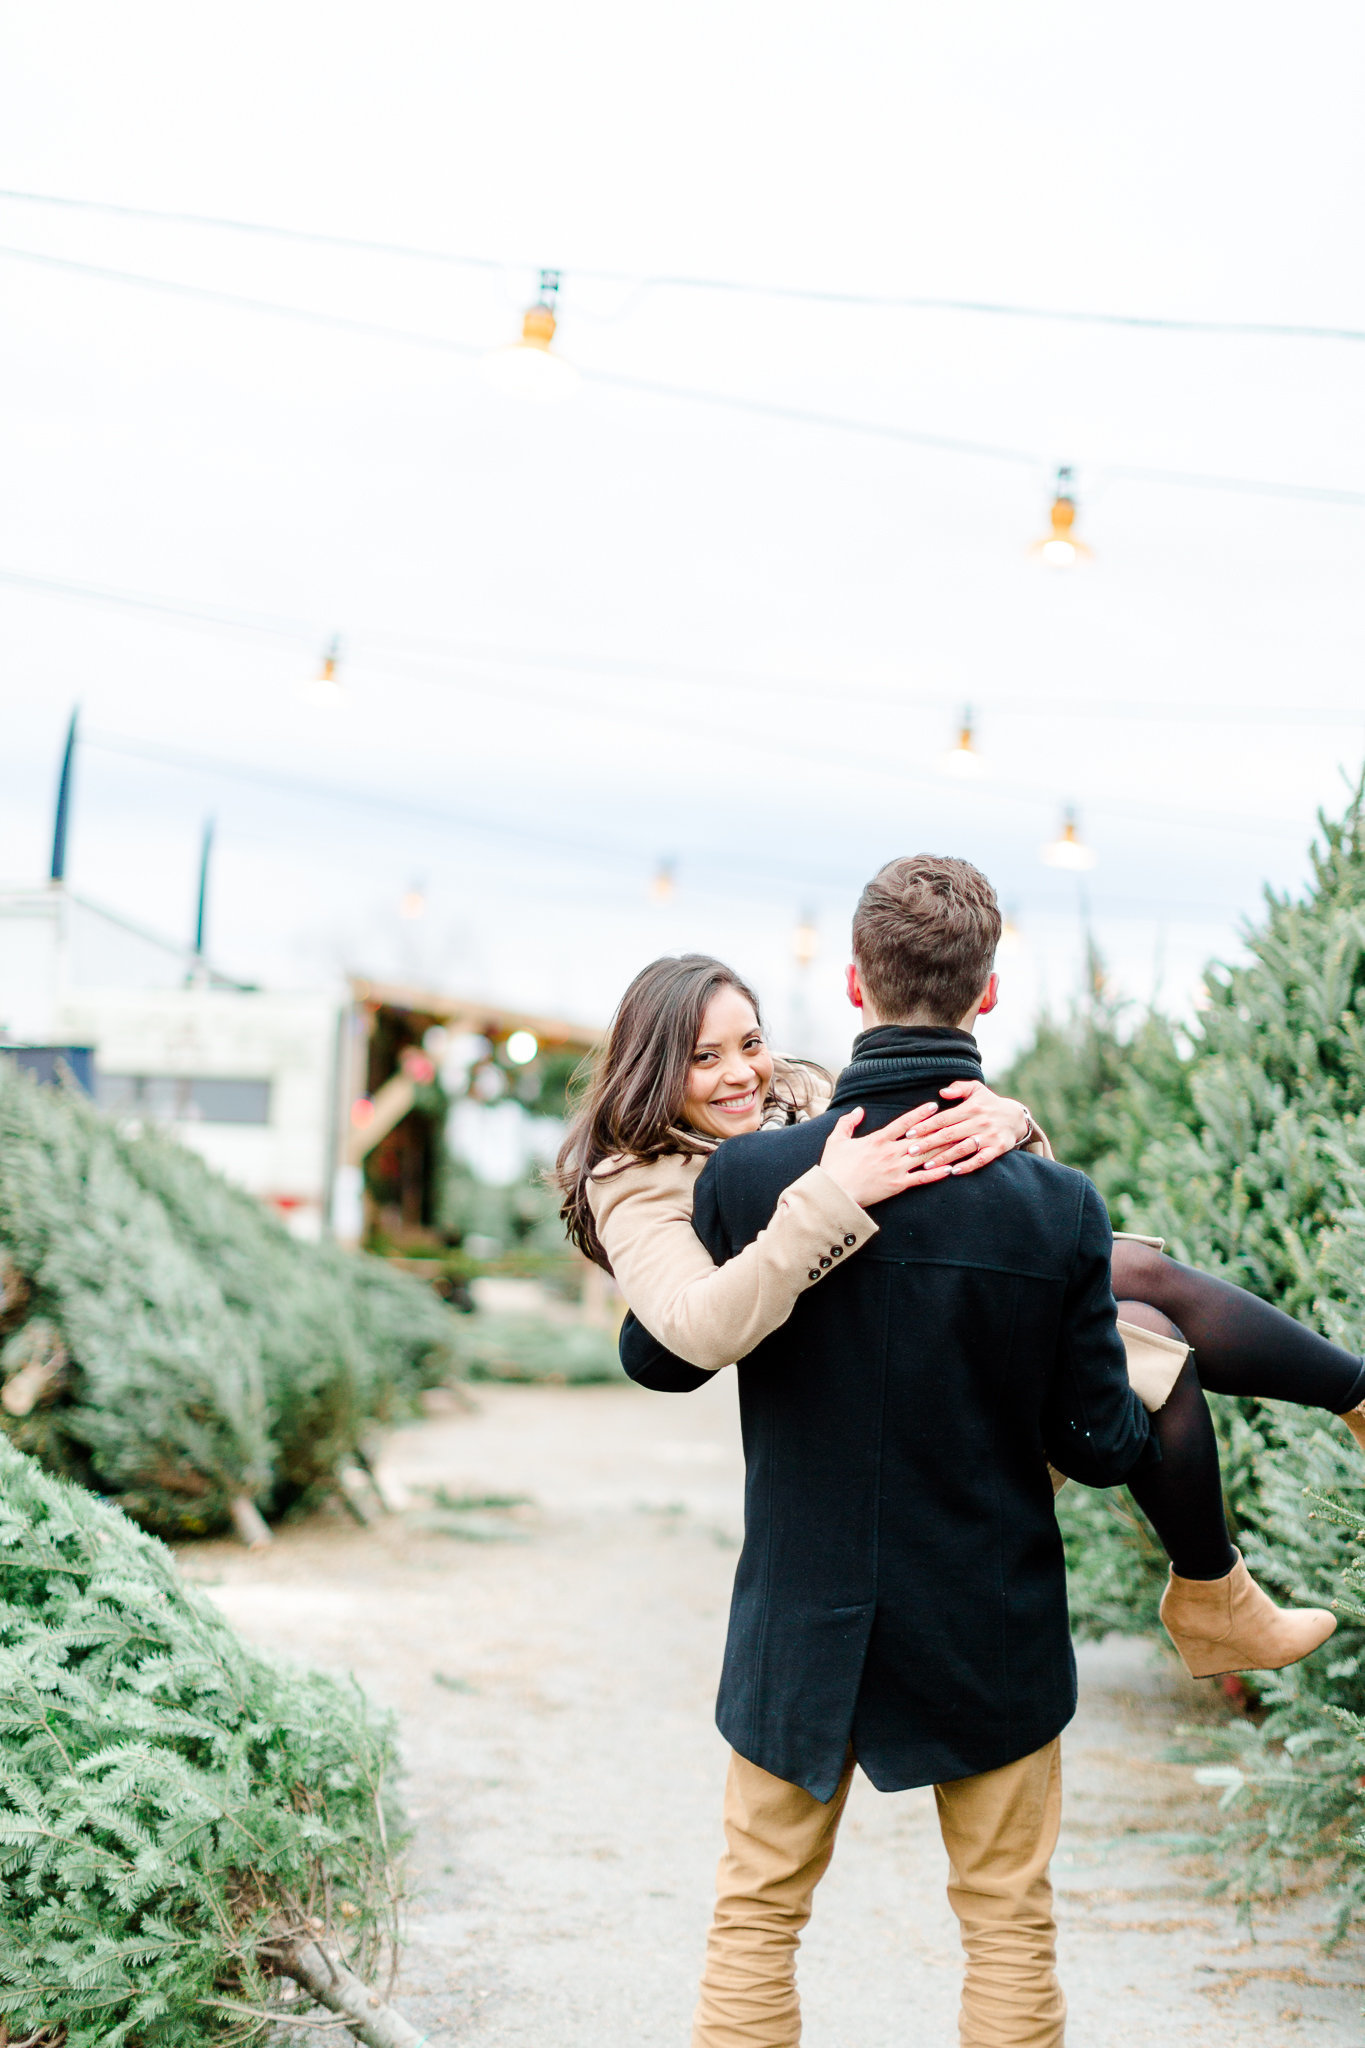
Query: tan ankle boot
(1354, 1418)
(1229, 1624)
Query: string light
(805, 939)
(665, 882)
(326, 689)
(1068, 850)
(1011, 944)
(521, 1048)
(1061, 549)
(413, 903)
(963, 759)
(529, 368)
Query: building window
(184, 1098)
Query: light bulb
(805, 940)
(326, 688)
(529, 368)
(1011, 945)
(522, 1047)
(962, 759)
(1060, 548)
(664, 884)
(412, 904)
(1068, 850)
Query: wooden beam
(390, 1104)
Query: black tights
(1240, 1346)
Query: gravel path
(554, 1665)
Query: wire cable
(402, 648)
(826, 881)
(1296, 330)
(758, 408)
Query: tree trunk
(325, 1977)
(250, 1524)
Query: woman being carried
(686, 1066)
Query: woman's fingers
(847, 1124)
(959, 1115)
(966, 1152)
(909, 1119)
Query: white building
(288, 1093)
(247, 1076)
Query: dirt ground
(553, 1661)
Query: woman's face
(730, 1071)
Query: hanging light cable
(1060, 548)
(962, 759)
(1068, 850)
(529, 368)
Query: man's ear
(991, 997)
(853, 985)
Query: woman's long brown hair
(635, 1091)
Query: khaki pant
(999, 1830)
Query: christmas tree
(323, 1383)
(164, 1339)
(1247, 1153)
(126, 1368)
(188, 1833)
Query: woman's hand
(884, 1163)
(975, 1129)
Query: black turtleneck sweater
(902, 1584)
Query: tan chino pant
(999, 1830)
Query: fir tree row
(164, 1340)
(1241, 1140)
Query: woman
(686, 1066)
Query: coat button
(824, 1265)
(849, 1238)
(836, 1251)
(813, 1274)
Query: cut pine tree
(123, 1365)
(184, 1824)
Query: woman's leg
(1182, 1497)
(1214, 1612)
(1241, 1344)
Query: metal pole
(63, 817)
(205, 853)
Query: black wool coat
(901, 1584)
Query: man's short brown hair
(924, 937)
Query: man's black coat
(902, 1584)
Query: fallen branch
(326, 1978)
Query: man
(900, 1601)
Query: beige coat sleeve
(708, 1314)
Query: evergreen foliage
(165, 1340)
(158, 1398)
(175, 1810)
(1246, 1151)
(343, 1340)
(1294, 1785)
(521, 1347)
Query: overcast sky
(582, 639)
